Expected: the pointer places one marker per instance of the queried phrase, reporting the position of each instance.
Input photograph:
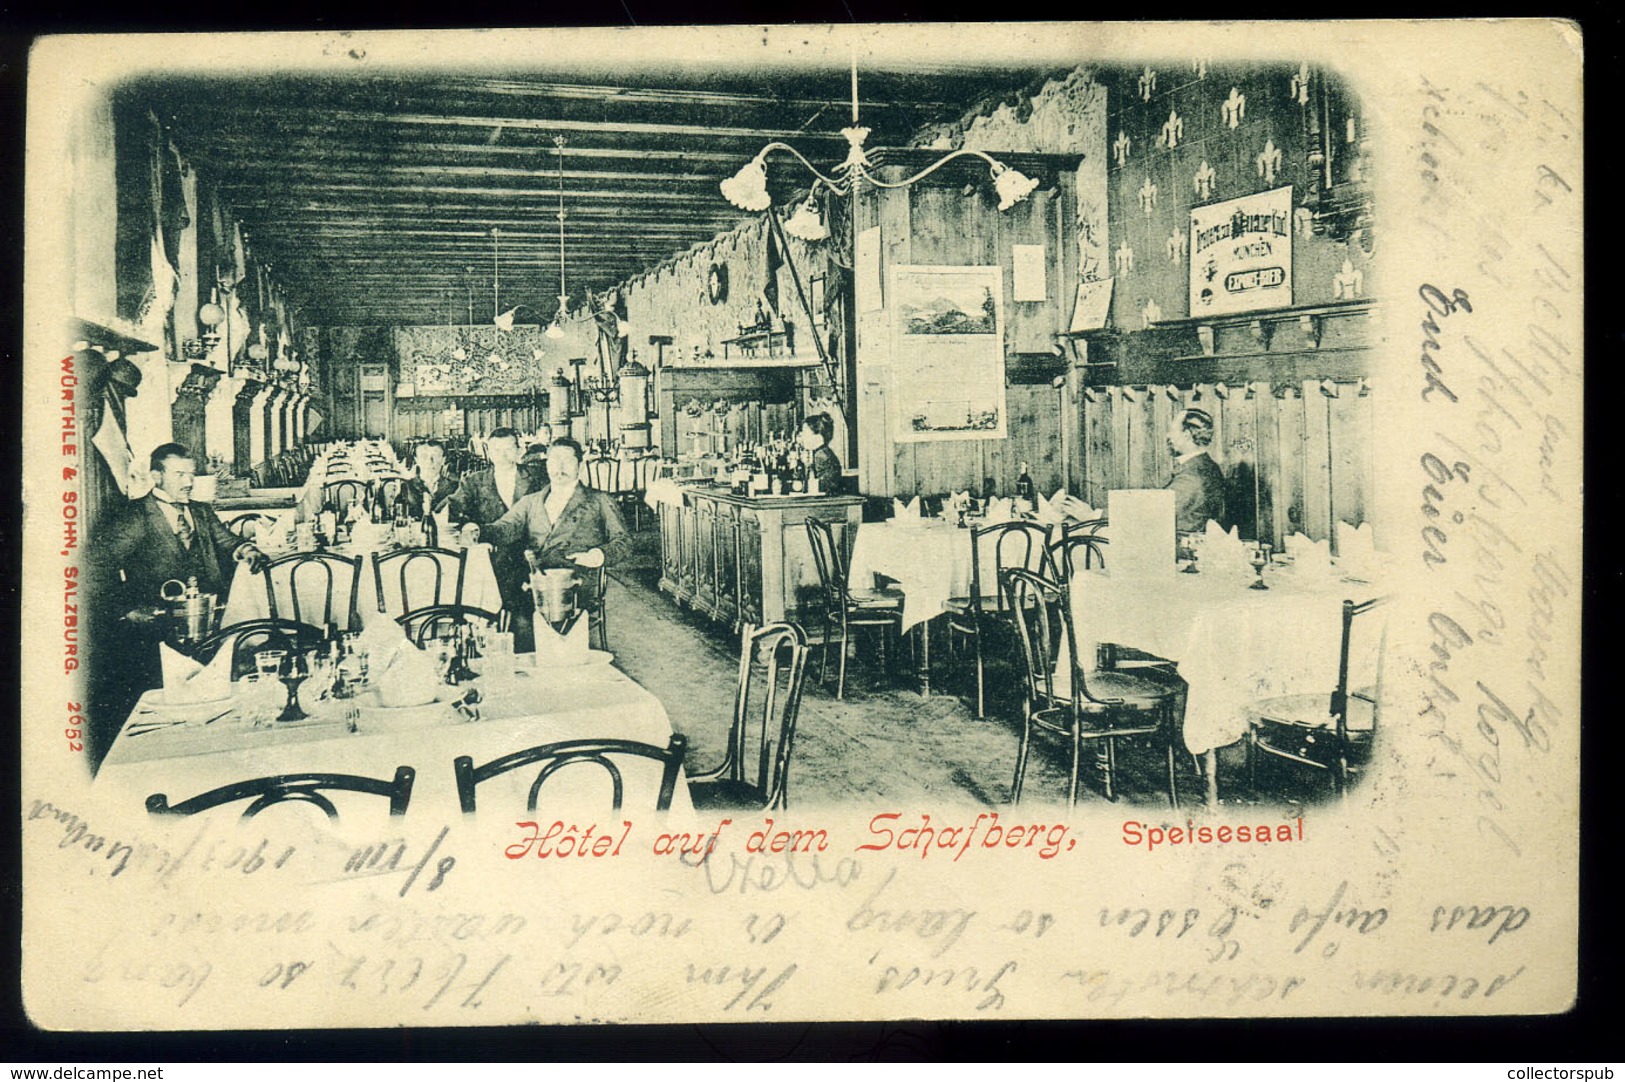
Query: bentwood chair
(421, 576)
(1101, 707)
(553, 758)
(1329, 736)
(305, 585)
(844, 607)
(1077, 552)
(248, 524)
(339, 495)
(594, 600)
(1018, 545)
(294, 789)
(431, 621)
(767, 700)
(249, 637)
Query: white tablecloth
(591, 702)
(1234, 645)
(247, 600)
(323, 470)
(929, 557)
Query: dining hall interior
(870, 426)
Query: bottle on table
(1026, 491)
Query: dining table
(183, 750)
(367, 461)
(249, 598)
(1233, 644)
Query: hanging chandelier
(747, 189)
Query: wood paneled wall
(1304, 449)
(960, 225)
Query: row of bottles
(775, 468)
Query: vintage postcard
(1013, 521)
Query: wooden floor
(884, 746)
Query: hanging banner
(1241, 254)
(947, 353)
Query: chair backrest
(339, 495)
(827, 558)
(645, 470)
(293, 582)
(385, 490)
(555, 757)
(601, 474)
(1085, 550)
(427, 623)
(1338, 708)
(421, 576)
(1031, 597)
(292, 788)
(1009, 545)
(249, 637)
(767, 702)
(247, 525)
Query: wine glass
(1260, 560)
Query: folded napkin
(1224, 552)
(959, 501)
(364, 535)
(911, 509)
(186, 681)
(1074, 509)
(1357, 550)
(409, 678)
(553, 648)
(1001, 510)
(1309, 557)
(1060, 507)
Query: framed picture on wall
(947, 353)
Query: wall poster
(947, 353)
(1241, 254)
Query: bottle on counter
(431, 531)
(798, 473)
(759, 483)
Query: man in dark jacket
(566, 524)
(431, 487)
(165, 535)
(485, 496)
(162, 536)
(1198, 482)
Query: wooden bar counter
(747, 559)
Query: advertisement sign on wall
(1241, 254)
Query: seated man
(1198, 482)
(164, 535)
(431, 487)
(566, 524)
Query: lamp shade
(211, 315)
(1012, 185)
(747, 189)
(554, 331)
(807, 223)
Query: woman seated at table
(816, 432)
